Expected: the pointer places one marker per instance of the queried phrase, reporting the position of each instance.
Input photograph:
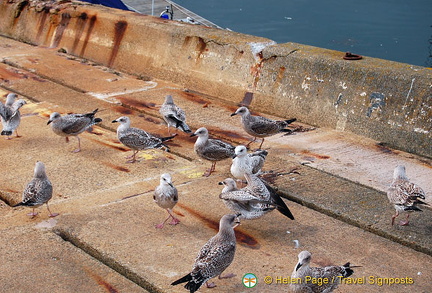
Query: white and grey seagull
(10, 115)
(214, 257)
(254, 200)
(137, 139)
(247, 163)
(213, 150)
(72, 124)
(166, 196)
(173, 115)
(259, 126)
(303, 270)
(38, 191)
(404, 195)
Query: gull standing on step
(213, 150)
(38, 191)
(331, 273)
(173, 115)
(137, 139)
(259, 126)
(253, 201)
(404, 195)
(10, 115)
(166, 196)
(72, 125)
(247, 163)
(214, 257)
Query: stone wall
(387, 101)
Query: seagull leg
(406, 222)
(133, 157)
(210, 285)
(16, 134)
(174, 220)
(209, 171)
(161, 225)
(51, 215)
(394, 217)
(79, 146)
(32, 214)
(67, 139)
(261, 143)
(247, 146)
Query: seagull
(137, 139)
(38, 191)
(10, 115)
(247, 163)
(173, 115)
(333, 274)
(166, 196)
(254, 200)
(404, 195)
(259, 126)
(72, 125)
(211, 149)
(214, 257)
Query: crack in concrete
(108, 261)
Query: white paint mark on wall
(409, 92)
(343, 85)
(363, 94)
(256, 48)
(109, 97)
(421, 130)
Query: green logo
(249, 280)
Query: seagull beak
(298, 266)
(233, 114)
(193, 134)
(235, 156)
(49, 121)
(221, 183)
(114, 121)
(170, 184)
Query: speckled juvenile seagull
(72, 125)
(10, 115)
(247, 163)
(166, 196)
(38, 191)
(331, 273)
(137, 139)
(173, 115)
(259, 126)
(404, 195)
(214, 257)
(213, 150)
(254, 200)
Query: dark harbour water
(398, 30)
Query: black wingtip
(167, 138)
(4, 132)
(18, 204)
(289, 121)
(97, 120)
(186, 278)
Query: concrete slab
(106, 204)
(36, 260)
(266, 246)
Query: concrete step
(106, 205)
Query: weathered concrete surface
(106, 205)
(33, 259)
(386, 101)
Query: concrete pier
(332, 171)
